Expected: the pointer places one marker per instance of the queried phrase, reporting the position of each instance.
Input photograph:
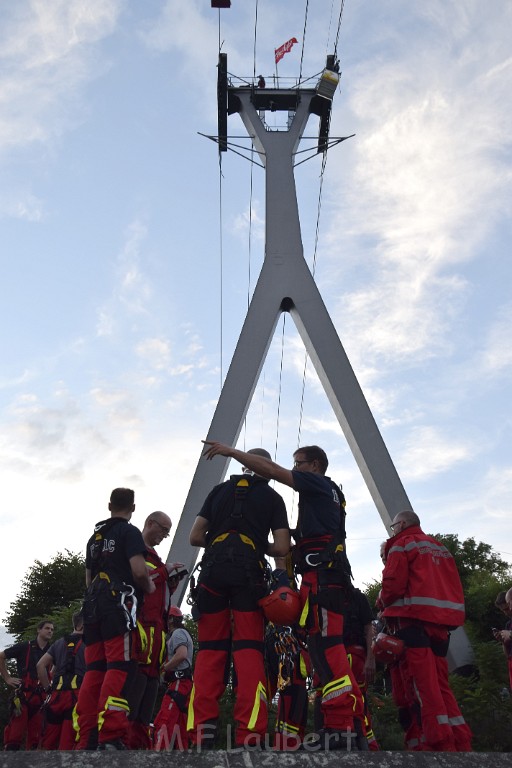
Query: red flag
(284, 48)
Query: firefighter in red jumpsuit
(66, 660)
(149, 637)
(357, 638)
(116, 580)
(28, 696)
(233, 526)
(322, 562)
(170, 731)
(421, 600)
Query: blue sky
(112, 345)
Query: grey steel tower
(286, 284)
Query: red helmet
(175, 611)
(387, 648)
(282, 606)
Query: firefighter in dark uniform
(66, 660)
(321, 560)
(116, 579)
(28, 696)
(233, 526)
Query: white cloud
(132, 289)
(46, 54)
(497, 356)
(428, 452)
(22, 205)
(155, 352)
(250, 222)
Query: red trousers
(144, 690)
(230, 625)
(250, 709)
(27, 725)
(443, 726)
(170, 730)
(402, 689)
(102, 706)
(58, 730)
(341, 701)
(357, 658)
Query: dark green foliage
(485, 701)
(386, 727)
(52, 592)
(44, 589)
(474, 558)
(5, 693)
(372, 591)
(61, 617)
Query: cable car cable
(303, 39)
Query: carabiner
(312, 554)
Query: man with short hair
(149, 637)
(66, 660)
(171, 721)
(28, 696)
(422, 600)
(233, 526)
(116, 580)
(322, 562)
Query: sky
(129, 255)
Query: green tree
(475, 558)
(46, 587)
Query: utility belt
(236, 549)
(178, 674)
(231, 547)
(321, 553)
(105, 594)
(23, 696)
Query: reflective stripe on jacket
(421, 581)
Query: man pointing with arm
(322, 562)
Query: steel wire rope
(249, 257)
(339, 27)
(280, 386)
(303, 39)
(255, 38)
(319, 207)
(221, 249)
(313, 270)
(284, 314)
(329, 30)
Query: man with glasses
(321, 560)
(149, 636)
(422, 600)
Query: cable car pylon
(285, 284)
